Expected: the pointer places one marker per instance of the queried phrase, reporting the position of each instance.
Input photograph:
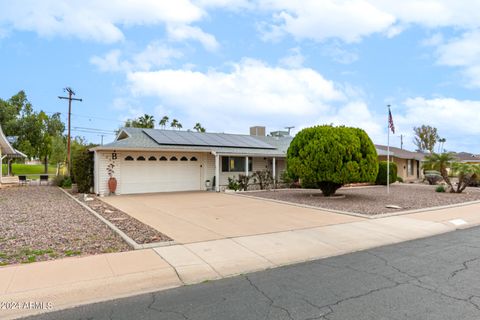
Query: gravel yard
(373, 200)
(136, 230)
(43, 223)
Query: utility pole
(401, 141)
(102, 135)
(71, 93)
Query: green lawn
(30, 170)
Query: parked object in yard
(22, 180)
(43, 178)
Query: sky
(232, 64)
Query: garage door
(162, 173)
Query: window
(152, 158)
(162, 158)
(193, 159)
(141, 158)
(183, 158)
(235, 164)
(128, 158)
(173, 158)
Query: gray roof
(400, 153)
(228, 144)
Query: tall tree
(176, 124)
(425, 138)
(146, 121)
(199, 127)
(163, 122)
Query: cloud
(463, 52)
(456, 120)
(93, 20)
(185, 32)
(153, 56)
(251, 90)
(294, 60)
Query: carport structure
(8, 153)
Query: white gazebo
(7, 152)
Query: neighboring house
(7, 154)
(466, 157)
(408, 163)
(153, 160)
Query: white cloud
(251, 90)
(294, 60)
(349, 20)
(463, 52)
(185, 32)
(456, 120)
(93, 20)
(153, 56)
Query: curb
(123, 235)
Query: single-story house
(409, 164)
(466, 157)
(154, 160)
(8, 153)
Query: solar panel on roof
(185, 138)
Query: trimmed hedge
(382, 173)
(327, 157)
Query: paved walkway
(73, 281)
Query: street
(431, 278)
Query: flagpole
(388, 150)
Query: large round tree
(327, 157)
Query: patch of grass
(110, 250)
(71, 253)
(3, 255)
(32, 171)
(3, 264)
(30, 259)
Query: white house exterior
(153, 160)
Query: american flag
(390, 121)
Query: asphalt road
(432, 278)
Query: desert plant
(432, 177)
(440, 189)
(466, 173)
(243, 181)
(382, 173)
(233, 184)
(440, 162)
(264, 178)
(327, 157)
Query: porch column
(217, 173)
(8, 167)
(274, 173)
(246, 166)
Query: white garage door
(171, 173)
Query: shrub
(233, 184)
(243, 181)
(67, 182)
(62, 181)
(82, 169)
(328, 157)
(399, 179)
(440, 189)
(382, 173)
(433, 177)
(264, 178)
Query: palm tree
(146, 121)
(176, 124)
(440, 162)
(199, 127)
(164, 122)
(442, 142)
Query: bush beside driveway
(42, 223)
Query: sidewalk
(73, 281)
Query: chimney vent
(257, 131)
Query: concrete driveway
(189, 217)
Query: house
(409, 164)
(7, 153)
(154, 160)
(466, 157)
